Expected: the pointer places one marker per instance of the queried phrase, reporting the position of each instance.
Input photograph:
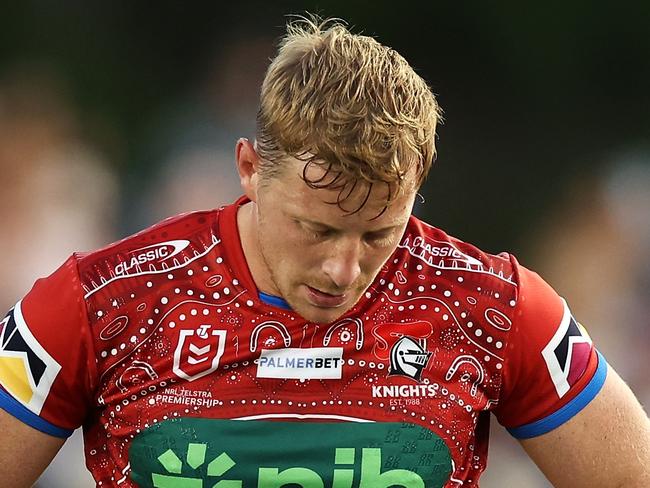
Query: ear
(247, 166)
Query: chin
(319, 315)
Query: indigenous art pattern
(185, 377)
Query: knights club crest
(408, 357)
(198, 352)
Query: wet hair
(348, 104)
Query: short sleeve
(552, 369)
(47, 361)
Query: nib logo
(191, 452)
(371, 472)
(195, 458)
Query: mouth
(323, 299)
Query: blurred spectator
(192, 156)
(58, 196)
(594, 250)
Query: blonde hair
(347, 103)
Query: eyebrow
(327, 226)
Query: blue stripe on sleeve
(569, 410)
(22, 413)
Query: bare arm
(606, 445)
(24, 452)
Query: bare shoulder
(25, 451)
(607, 444)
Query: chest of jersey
(201, 380)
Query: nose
(342, 266)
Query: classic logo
(432, 252)
(156, 252)
(27, 371)
(218, 453)
(198, 352)
(296, 363)
(408, 357)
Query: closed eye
(320, 233)
(382, 238)
(315, 232)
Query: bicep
(607, 444)
(24, 451)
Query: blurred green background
(535, 93)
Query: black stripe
(562, 350)
(15, 343)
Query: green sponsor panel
(216, 453)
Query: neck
(247, 228)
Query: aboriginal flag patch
(27, 371)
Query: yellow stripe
(14, 378)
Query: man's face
(320, 258)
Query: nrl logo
(198, 352)
(408, 357)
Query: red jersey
(184, 375)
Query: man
(313, 334)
